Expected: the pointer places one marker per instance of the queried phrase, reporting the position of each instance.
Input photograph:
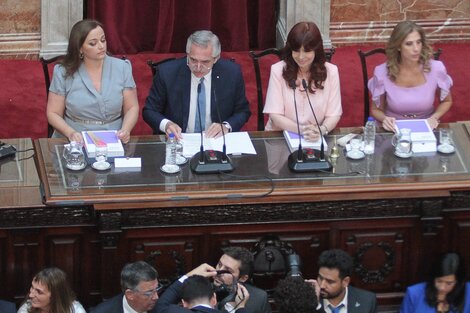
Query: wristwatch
(227, 125)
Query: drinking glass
(101, 153)
(445, 137)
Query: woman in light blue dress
(91, 90)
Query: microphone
(307, 160)
(211, 161)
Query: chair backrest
(365, 74)
(154, 64)
(271, 55)
(47, 79)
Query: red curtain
(163, 26)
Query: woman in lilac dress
(406, 85)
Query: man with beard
(139, 286)
(196, 294)
(332, 285)
(237, 262)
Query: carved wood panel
(173, 253)
(26, 258)
(381, 252)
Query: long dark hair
(78, 34)
(307, 35)
(448, 264)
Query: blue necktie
(337, 309)
(201, 102)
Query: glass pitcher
(402, 143)
(74, 156)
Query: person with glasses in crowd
(139, 285)
(187, 93)
(445, 291)
(50, 292)
(196, 294)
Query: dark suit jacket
(170, 94)
(360, 301)
(258, 301)
(7, 307)
(167, 303)
(113, 305)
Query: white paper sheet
(236, 143)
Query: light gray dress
(84, 104)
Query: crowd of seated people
(201, 91)
(226, 288)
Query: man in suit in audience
(238, 262)
(199, 78)
(333, 286)
(196, 294)
(139, 286)
(7, 307)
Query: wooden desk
(382, 175)
(392, 215)
(19, 181)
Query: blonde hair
(399, 34)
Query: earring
(81, 56)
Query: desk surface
(259, 178)
(19, 181)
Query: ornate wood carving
(374, 275)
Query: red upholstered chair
(380, 52)
(269, 57)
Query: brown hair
(399, 34)
(62, 296)
(78, 34)
(308, 36)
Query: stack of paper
(422, 136)
(236, 143)
(108, 137)
(292, 140)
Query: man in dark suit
(196, 294)
(177, 90)
(238, 262)
(332, 285)
(139, 286)
(7, 307)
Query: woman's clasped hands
(310, 132)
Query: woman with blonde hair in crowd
(51, 293)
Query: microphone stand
(307, 160)
(210, 161)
